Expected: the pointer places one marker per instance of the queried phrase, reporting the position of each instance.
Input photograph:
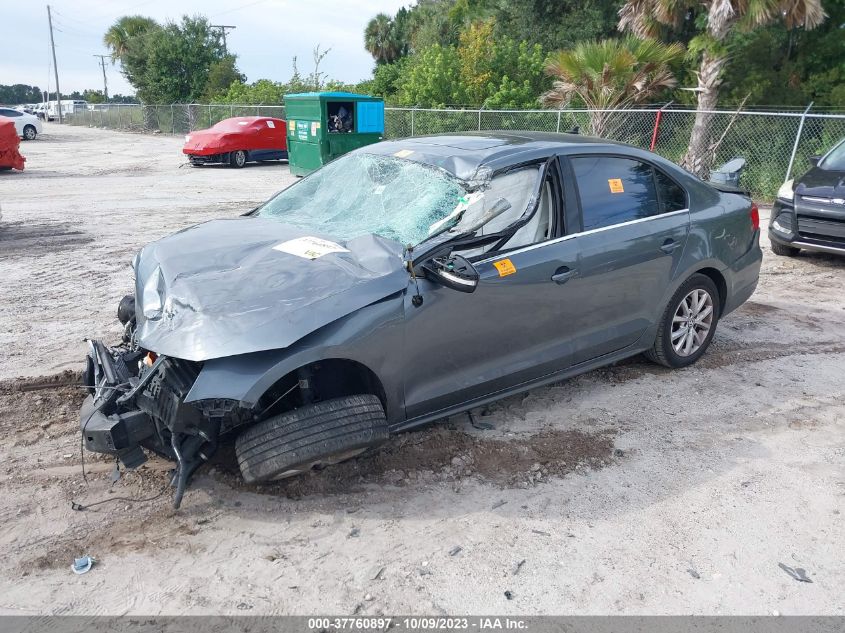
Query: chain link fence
(770, 142)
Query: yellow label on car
(403, 153)
(615, 185)
(505, 267)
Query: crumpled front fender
(371, 336)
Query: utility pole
(105, 82)
(55, 68)
(223, 28)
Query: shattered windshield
(363, 193)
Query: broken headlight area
(136, 401)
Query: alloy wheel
(692, 322)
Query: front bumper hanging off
(138, 403)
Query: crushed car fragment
(407, 281)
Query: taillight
(755, 217)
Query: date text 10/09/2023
(485, 623)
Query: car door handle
(669, 246)
(563, 275)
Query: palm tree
(121, 32)
(380, 39)
(646, 18)
(610, 75)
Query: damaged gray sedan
(408, 281)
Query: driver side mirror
(814, 160)
(453, 272)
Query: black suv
(810, 213)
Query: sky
(268, 34)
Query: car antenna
(417, 299)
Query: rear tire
(237, 159)
(318, 434)
(680, 323)
(29, 132)
(783, 250)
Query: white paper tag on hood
(309, 247)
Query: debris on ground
(82, 565)
(797, 573)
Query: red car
(9, 143)
(237, 141)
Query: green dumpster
(324, 125)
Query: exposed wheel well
(721, 285)
(321, 380)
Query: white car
(27, 125)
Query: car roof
(465, 154)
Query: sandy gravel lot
(629, 490)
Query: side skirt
(570, 372)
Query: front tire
(315, 435)
(237, 159)
(29, 132)
(688, 323)
(784, 250)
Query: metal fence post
(479, 119)
(558, 121)
(797, 140)
(413, 111)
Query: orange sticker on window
(615, 185)
(505, 267)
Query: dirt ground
(629, 490)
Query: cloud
(269, 34)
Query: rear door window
(614, 190)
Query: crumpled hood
(250, 284)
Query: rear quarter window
(672, 196)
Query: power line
(223, 28)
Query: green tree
(93, 96)
(178, 58)
(126, 29)
(715, 21)
(499, 72)
(261, 92)
(386, 80)
(432, 79)
(221, 74)
(19, 93)
(555, 24)
(610, 74)
(780, 66)
(480, 71)
(519, 76)
(381, 39)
